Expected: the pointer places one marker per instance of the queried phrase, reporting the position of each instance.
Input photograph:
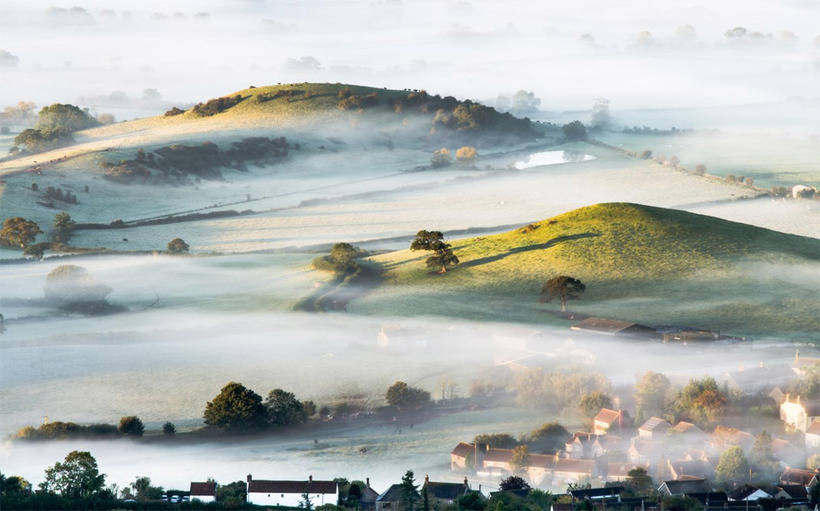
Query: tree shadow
(518, 250)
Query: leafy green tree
(443, 256)
(701, 401)
(733, 467)
(36, 250)
(409, 493)
(549, 437)
(68, 285)
(36, 140)
(143, 490)
(13, 486)
(76, 477)
(64, 117)
(472, 501)
(403, 396)
(232, 494)
(441, 158)
(496, 440)
(131, 426)
(564, 288)
(763, 459)
(284, 409)
(574, 131)
(513, 482)
(681, 503)
(236, 407)
(178, 246)
(63, 226)
(639, 481)
(19, 232)
(520, 459)
(651, 393)
(591, 404)
(168, 429)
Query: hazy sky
(189, 50)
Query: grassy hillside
(304, 102)
(640, 263)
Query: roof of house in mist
(310, 486)
(445, 491)
(591, 493)
(655, 423)
(575, 466)
(684, 428)
(794, 491)
(615, 469)
(694, 468)
(392, 494)
(582, 437)
(204, 489)
(732, 436)
(797, 476)
(685, 486)
(499, 455)
(610, 326)
(814, 429)
(756, 377)
(463, 449)
(608, 416)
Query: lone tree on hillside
(564, 288)
(235, 407)
(574, 130)
(466, 154)
(443, 255)
(178, 246)
(284, 409)
(19, 232)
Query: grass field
(640, 263)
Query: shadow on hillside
(518, 250)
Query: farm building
(615, 327)
(203, 492)
(291, 493)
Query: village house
(724, 437)
(389, 500)
(683, 487)
(566, 471)
(463, 456)
(616, 472)
(646, 453)
(367, 501)
(748, 493)
(291, 493)
(793, 492)
(203, 492)
(801, 365)
(584, 445)
(813, 435)
(615, 327)
(688, 431)
(753, 379)
(653, 428)
(798, 476)
(688, 469)
(799, 414)
(444, 494)
(609, 420)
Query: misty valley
(374, 281)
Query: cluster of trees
(72, 287)
(19, 232)
(521, 103)
(574, 131)
(443, 256)
(216, 105)
(58, 194)
(406, 398)
(178, 162)
(701, 401)
(177, 246)
(443, 157)
(547, 438)
(342, 260)
(537, 387)
(128, 426)
(740, 180)
(239, 408)
(54, 128)
(349, 101)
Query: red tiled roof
(686, 427)
(654, 422)
(463, 449)
(607, 416)
(204, 489)
(499, 455)
(262, 486)
(575, 466)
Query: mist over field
(664, 153)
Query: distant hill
(308, 102)
(678, 264)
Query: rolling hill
(640, 263)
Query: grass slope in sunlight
(640, 263)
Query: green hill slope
(639, 262)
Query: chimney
(426, 478)
(368, 482)
(310, 478)
(465, 482)
(250, 478)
